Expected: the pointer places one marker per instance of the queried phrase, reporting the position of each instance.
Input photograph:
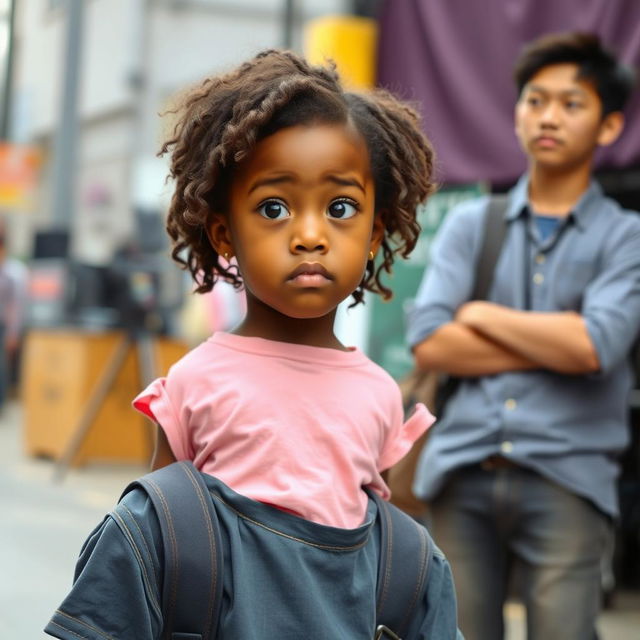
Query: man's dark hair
(612, 80)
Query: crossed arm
(485, 338)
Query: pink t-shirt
(302, 428)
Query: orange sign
(19, 166)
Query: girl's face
(301, 220)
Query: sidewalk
(44, 525)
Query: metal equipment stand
(143, 344)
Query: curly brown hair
(220, 121)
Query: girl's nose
(309, 234)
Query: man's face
(559, 119)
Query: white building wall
(107, 51)
(103, 220)
(183, 44)
(37, 86)
(41, 33)
(135, 54)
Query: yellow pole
(350, 41)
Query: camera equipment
(138, 293)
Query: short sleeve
(112, 596)
(402, 437)
(611, 305)
(156, 402)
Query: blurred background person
(13, 282)
(521, 470)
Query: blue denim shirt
(570, 428)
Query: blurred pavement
(44, 524)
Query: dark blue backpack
(194, 557)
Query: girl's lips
(310, 268)
(309, 274)
(309, 280)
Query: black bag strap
(193, 560)
(406, 549)
(494, 232)
(495, 229)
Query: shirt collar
(581, 214)
(518, 200)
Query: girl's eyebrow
(343, 182)
(265, 182)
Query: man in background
(520, 471)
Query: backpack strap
(193, 561)
(494, 232)
(406, 549)
(495, 229)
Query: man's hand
(476, 312)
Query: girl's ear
(611, 128)
(377, 234)
(219, 236)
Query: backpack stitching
(83, 623)
(144, 540)
(129, 536)
(286, 535)
(419, 586)
(384, 511)
(212, 547)
(174, 549)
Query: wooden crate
(61, 369)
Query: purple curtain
(455, 58)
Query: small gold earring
(226, 256)
(371, 255)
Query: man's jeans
(490, 523)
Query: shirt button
(540, 259)
(510, 404)
(538, 278)
(506, 447)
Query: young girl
(289, 186)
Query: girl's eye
(273, 210)
(572, 106)
(342, 209)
